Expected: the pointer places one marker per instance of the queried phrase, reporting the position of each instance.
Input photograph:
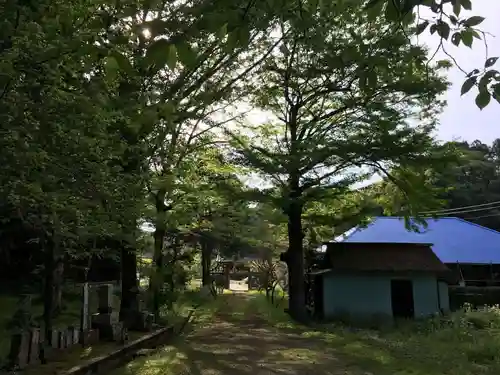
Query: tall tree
(343, 90)
(60, 178)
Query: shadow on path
(249, 345)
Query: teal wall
(366, 294)
(357, 295)
(445, 296)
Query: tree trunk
(295, 263)
(48, 293)
(58, 283)
(206, 257)
(159, 239)
(129, 305)
(157, 277)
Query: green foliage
(446, 21)
(472, 180)
(114, 114)
(341, 117)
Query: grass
(171, 360)
(466, 343)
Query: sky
(461, 118)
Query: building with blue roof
(471, 249)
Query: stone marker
(69, 337)
(84, 319)
(19, 350)
(61, 340)
(90, 337)
(117, 332)
(76, 336)
(54, 339)
(42, 337)
(105, 319)
(34, 346)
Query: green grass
(465, 343)
(171, 359)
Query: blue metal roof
(453, 239)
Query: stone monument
(106, 320)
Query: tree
(446, 22)
(343, 90)
(473, 181)
(179, 80)
(60, 146)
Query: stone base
(99, 319)
(50, 353)
(89, 337)
(118, 332)
(105, 324)
(141, 321)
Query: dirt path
(248, 345)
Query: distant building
(386, 280)
(470, 250)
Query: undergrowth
(466, 342)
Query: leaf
(374, 9)
(408, 18)
(496, 92)
(457, 7)
(446, 64)
(421, 27)
(172, 56)
(468, 85)
(433, 29)
(466, 4)
(483, 99)
(483, 82)
(222, 32)
(492, 74)
(243, 36)
(467, 37)
(166, 110)
(474, 72)
(155, 27)
(363, 80)
(111, 67)
(443, 30)
(473, 21)
(373, 3)
(123, 62)
(392, 12)
(232, 41)
(157, 52)
(371, 79)
(456, 38)
(490, 62)
(407, 7)
(186, 54)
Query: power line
(460, 208)
(480, 217)
(466, 211)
